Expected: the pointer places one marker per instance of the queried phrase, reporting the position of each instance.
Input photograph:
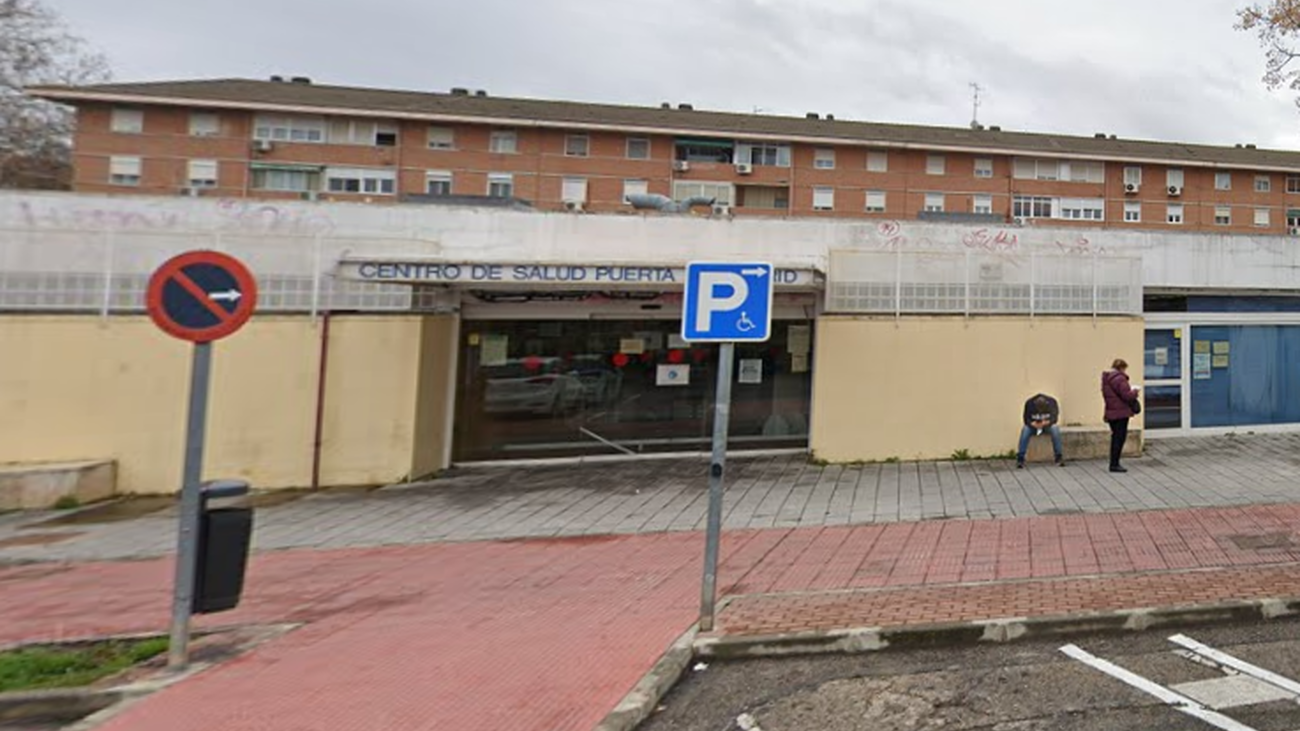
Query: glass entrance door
(1162, 397)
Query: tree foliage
(37, 48)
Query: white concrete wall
(75, 232)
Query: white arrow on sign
(760, 272)
(232, 295)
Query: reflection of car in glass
(600, 381)
(531, 386)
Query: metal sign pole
(178, 656)
(721, 419)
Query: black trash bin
(225, 534)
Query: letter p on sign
(727, 302)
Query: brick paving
(670, 495)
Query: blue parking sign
(727, 302)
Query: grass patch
(67, 502)
(33, 668)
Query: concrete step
(32, 486)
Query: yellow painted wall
(924, 387)
(434, 399)
(77, 387)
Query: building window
(576, 145)
(1083, 209)
(124, 170)
(1132, 175)
(635, 187)
(1222, 181)
(362, 132)
(1293, 222)
(982, 204)
(202, 174)
(983, 167)
(1132, 212)
(289, 180)
(824, 159)
(1261, 217)
(442, 138)
(638, 148)
(289, 129)
(1293, 183)
(1031, 206)
(361, 180)
(128, 121)
(501, 185)
(772, 155)
(574, 190)
(1027, 168)
(721, 193)
(1222, 216)
(1263, 184)
(205, 124)
(437, 182)
(1174, 179)
(1174, 213)
(877, 162)
(934, 164)
(1084, 172)
(875, 201)
(933, 202)
(823, 199)
(503, 141)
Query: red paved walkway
(549, 635)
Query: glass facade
(570, 387)
(1245, 375)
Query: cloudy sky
(1160, 69)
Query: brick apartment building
(291, 138)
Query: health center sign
(531, 273)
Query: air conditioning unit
(681, 166)
(575, 206)
(1175, 190)
(721, 209)
(310, 195)
(1130, 188)
(744, 168)
(1018, 220)
(263, 145)
(190, 191)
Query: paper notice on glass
(473, 339)
(1221, 347)
(751, 370)
(653, 340)
(676, 342)
(673, 375)
(1178, 334)
(1201, 366)
(1200, 346)
(798, 339)
(1220, 361)
(799, 363)
(1162, 356)
(631, 346)
(493, 351)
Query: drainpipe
(320, 400)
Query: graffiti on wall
(240, 216)
(997, 242)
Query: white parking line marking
(1231, 691)
(1177, 701)
(1241, 666)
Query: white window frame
(441, 138)
(1293, 183)
(824, 158)
(573, 190)
(768, 154)
(202, 173)
(281, 178)
(723, 193)
(577, 145)
(635, 186)
(1031, 168)
(1132, 212)
(361, 132)
(876, 201)
(289, 128)
(1263, 183)
(1222, 180)
(1133, 175)
(440, 177)
(1223, 215)
(638, 141)
(125, 170)
(877, 161)
(1262, 218)
(1084, 171)
(205, 124)
(935, 164)
(983, 167)
(369, 181)
(934, 202)
(981, 203)
(501, 179)
(127, 121)
(1174, 214)
(823, 198)
(1082, 209)
(1034, 206)
(1174, 177)
(503, 142)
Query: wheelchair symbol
(744, 324)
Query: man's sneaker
(1020, 464)
(1060, 461)
(1117, 468)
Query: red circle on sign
(620, 359)
(242, 292)
(676, 356)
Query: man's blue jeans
(1029, 431)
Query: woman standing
(1119, 397)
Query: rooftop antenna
(975, 105)
(759, 110)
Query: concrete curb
(644, 697)
(1007, 629)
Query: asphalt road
(1030, 686)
